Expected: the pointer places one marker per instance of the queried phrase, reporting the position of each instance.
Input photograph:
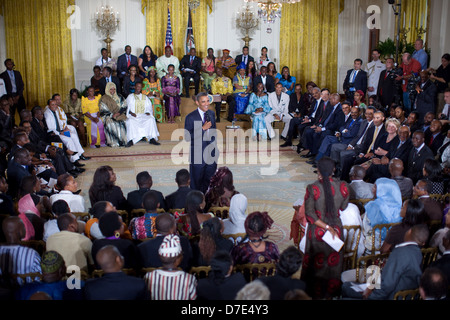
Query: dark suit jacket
(335, 121)
(319, 112)
(122, 64)
(433, 209)
(426, 100)
(238, 59)
(177, 200)
(19, 82)
(415, 163)
(369, 138)
(102, 85)
(443, 264)
(360, 81)
(186, 63)
(6, 128)
(115, 286)
(270, 83)
(193, 119)
(361, 132)
(297, 105)
(279, 286)
(135, 197)
(15, 174)
(148, 251)
(386, 89)
(348, 136)
(437, 142)
(227, 290)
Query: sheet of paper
(335, 243)
(299, 202)
(359, 287)
(52, 182)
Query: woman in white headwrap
(238, 208)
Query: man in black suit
(417, 156)
(434, 137)
(124, 62)
(114, 284)
(165, 224)
(14, 85)
(388, 87)
(190, 66)
(108, 77)
(355, 80)
(200, 128)
(177, 200)
(145, 183)
(267, 81)
(427, 93)
(18, 168)
(244, 57)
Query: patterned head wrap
(51, 262)
(170, 247)
(257, 224)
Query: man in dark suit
(355, 80)
(427, 92)
(388, 87)
(145, 182)
(124, 62)
(5, 123)
(433, 208)
(267, 81)
(244, 57)
(177, 200)
(165, 224)
(444, 262)
(434, 137)
(417, 156)
(18, 168)
(14, 85)
(108, 77)
(200, 128)
(190, 66)
(114, 284)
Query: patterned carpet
(272, 193)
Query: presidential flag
(169, 39)
(189, 41)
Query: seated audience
(130, 80)
(92, 230)
(104, 59)
(74, 113)
(6, 202)
(68, 189)
(267, 81)
(171, 254)
(237, 215)
(112, 228)
(145, 182)
(417, 156)
(163, 63)
(59, 207)
(383, 210)
(432, 172)
(434, 137)
(152, 89)
(433, 209)
(257, 249)
(255, 290)
(221, 283)
(190, 66)
(405, 184)
(191, 221)
(165, 225)
(227, 64)
(108, 77)
(223, 87)
(170, 85)
(221, 189)
(433, 285)
(143, 227)
(208, 70)
(443, 262)
(146, 60)
(94, 125)
(17, 170)
(75, 248)
(412, 213)
(53, 280)
(287, 81)
(32, 206)
(279, 104)
(242, 89)
(279, 284)
(95, 80)
(114, 284)
(359, 189)
(352, 217)
(177, 199)
(258, 108)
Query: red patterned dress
(322, 266)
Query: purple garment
(243, 254)
(172, 104)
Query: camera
(413, 82)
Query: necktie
(107, 79)
(354, 76)
(128, 61)
(192, 59)
(431, 140)
(58, 128)
(373, 140)
(351, 124)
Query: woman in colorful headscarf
(227, 63)
(359, 101)
(257, 249)
(384, 209)
(112, 112)
(152, 89)
(242, 89)
(221, 189)
(94, 125)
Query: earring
(117, 235)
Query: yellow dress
(94, 130)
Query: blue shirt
(422, 57)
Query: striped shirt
(18, 259)
(166, 285)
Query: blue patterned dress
(258, 123)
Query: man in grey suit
(358, 188)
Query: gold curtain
(156, 21)
(414, 15)
(309, 41)
(40, 43)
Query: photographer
(355, 80)
(426, 96)
(388, 88)
(441, 78)
(409, 66)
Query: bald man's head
(165, 223)
(13, 229)
(110, 259)
(396, 168)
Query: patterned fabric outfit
(166, 285)
(241, 102)
(172, 104)
(143, 227)
(258, 119)
(148, 89)
(244, 254)
(322, 266)
(115, 129)
(94, 130)
(209, 65)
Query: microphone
(207, 117)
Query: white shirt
(75, 201)
(102, 61)
(374, 70)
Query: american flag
(190, 43)
(169, 39)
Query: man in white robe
(163, 63)
(140, 120)
(56, 120)
(374, 70)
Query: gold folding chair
(200, 272)
(98, 273)
(252, 271)
(220, 212)
(172, 211)
(28, 277)
(38, 245)
(407, 295)
(124, 215)
(360, 203)
(351, 244)
(429, 255)
(365, 262)
(376, 240)
(236, 238)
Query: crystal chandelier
(270, 10)
(246, 20)
(107, 22)
(193, 4)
